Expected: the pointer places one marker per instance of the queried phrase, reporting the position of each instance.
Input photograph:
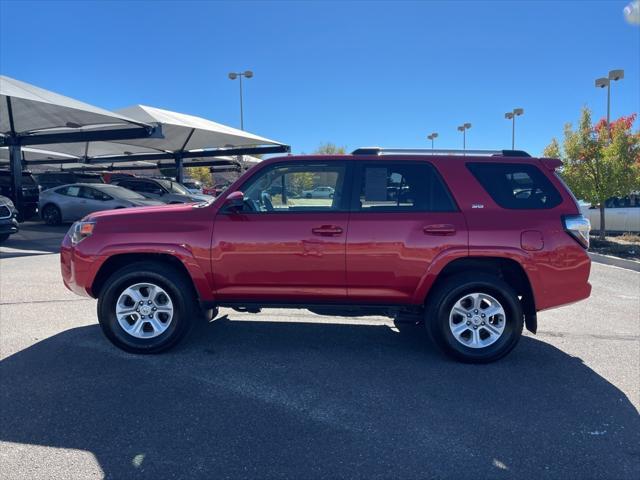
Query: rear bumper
(564, 278)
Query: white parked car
(621, 214)
(318, 192)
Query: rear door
(284, 247)
(402, 218)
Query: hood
(6, 201)
(159, 208)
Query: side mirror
(234, 202)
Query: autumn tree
(330, 149)
(202, 174)
(600, 161)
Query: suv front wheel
(146, 307)
(475, 317)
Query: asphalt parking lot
(290, 394)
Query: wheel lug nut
(142, 316)
(482, 323)
(483, 315)
(468, 323)
(475, 311)
(468, 315)
(141, 302)
(149, 302)
(154, 309)
(475, 327)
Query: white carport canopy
(30, 115)
(187, 140)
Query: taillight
(578, 226)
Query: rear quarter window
(516, 186)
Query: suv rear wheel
(146, 308)
(475, 317)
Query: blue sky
(352, 73)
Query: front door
(403, 218)
(283, 246)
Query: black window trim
(347, 183)
(358, 176)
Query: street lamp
(432, 137)
(463, 128)
(614, 75)
(512, 116)
(233, 76)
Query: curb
(615, 261)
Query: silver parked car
(69, 203)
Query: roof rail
(430, 151)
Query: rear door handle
(327, 230)
(439, 229)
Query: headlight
(81, 230)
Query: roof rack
(430, 151)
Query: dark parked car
(473, 245)
(162, 189)
(49, 180)
(8, 220)
(30, 193)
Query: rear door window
(402, 186)
(516, 186)
(70, 191)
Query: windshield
(173, 187)
(122, 192)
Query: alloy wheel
(144, 310)
(477, 320)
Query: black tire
(444, 297)
(180, 291)
(4, 237)
(51, 215)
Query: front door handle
(439, 229)
(327, 230)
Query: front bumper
(78, 270)
(8, 225)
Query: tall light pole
(463, 128)
(432, 137)
(512, 116)
(239, 75)
(614, 75)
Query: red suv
(474, 244)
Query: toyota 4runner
(472, 244)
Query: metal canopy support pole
(15, 160)
(179, 167)
(15, 165)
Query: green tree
(600, 161)
(552, 150)
(201, 174)
(330, 149)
